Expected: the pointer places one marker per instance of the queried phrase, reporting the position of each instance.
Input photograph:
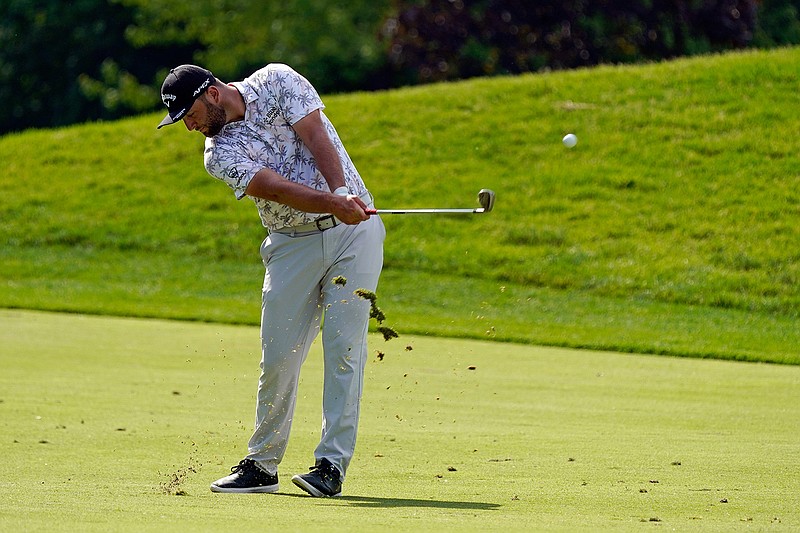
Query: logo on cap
(182, 86)
(201, 88)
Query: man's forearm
(270, 185)
(312, 132)
(328, 163)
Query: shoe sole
(311, 489)
(246, 490)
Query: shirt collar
(248, 94)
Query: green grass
(670, 228)
(111, 424)
(228, 292)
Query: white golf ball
(570, 140)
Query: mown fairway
(670, 228)
(113, 424)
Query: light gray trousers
(298, 291)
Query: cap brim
(166, 122)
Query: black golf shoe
(246, 477)
(324, 480)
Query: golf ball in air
(570, 140)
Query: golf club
(485, 198)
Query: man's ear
(214, 94)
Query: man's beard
(216, 118)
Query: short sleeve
(295, 95)
(233, 165)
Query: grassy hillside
(670, 228)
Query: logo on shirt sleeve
(271, 115)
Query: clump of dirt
(173, 486)
(376, 313)
(388, 333)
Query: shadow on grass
(388, 503)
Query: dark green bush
(450, 39)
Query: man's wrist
(341, 191)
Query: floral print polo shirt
(275, 97)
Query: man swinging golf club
(268, 139)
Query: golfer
(269, 140)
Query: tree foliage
(335, 44)
(779, 23)
(65, 62)
(450, 39)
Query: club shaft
(421, 211)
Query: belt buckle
(324, 223)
